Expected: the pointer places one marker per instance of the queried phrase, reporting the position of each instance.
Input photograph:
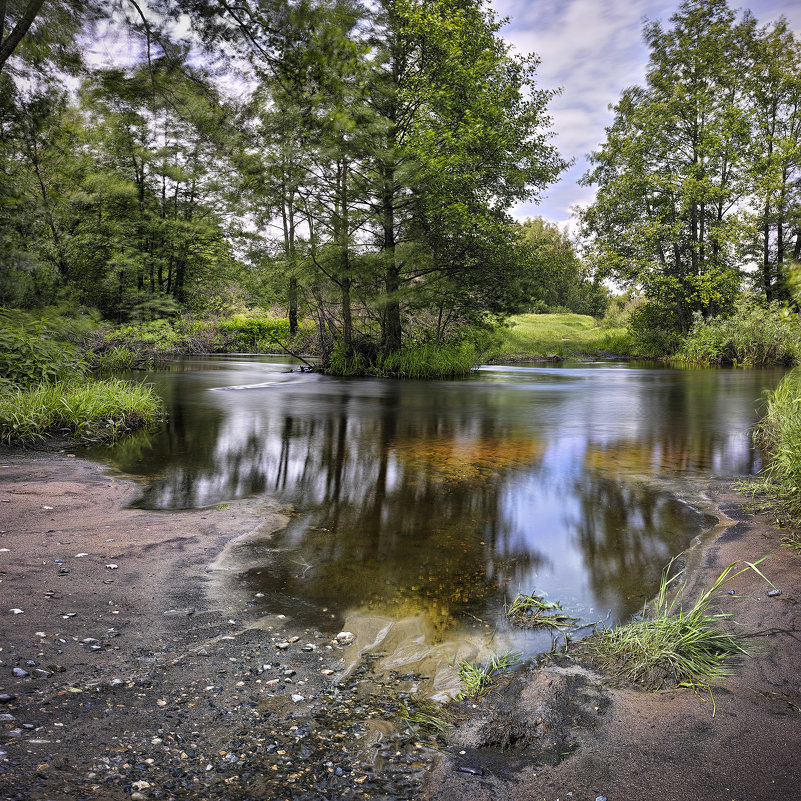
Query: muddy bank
(135, 669)
(162, 678)
(566, 732)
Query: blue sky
(592, 49)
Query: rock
(137, 796)
(345, 636)
(5, 698)
(327, 672)
(90, 641)
(16, 611)
(774, 593)
(111, 567)
(731, 592)
(141, 785)
(308, 647)
(601, 798)
(179, 612)
(6, 718)
(20, 673)
(296, 699)
(282, 646)
(40, 673)
(80, 555)
(294, 639)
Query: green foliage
(413, 361)
(755, 335)
(434, 717)
(778, 434)
(87, 409)
(255, 333)
(655, 329)
(672, 646)
(28, 355)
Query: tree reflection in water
(444, 498)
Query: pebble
(16, 611)
(601, 798)
(5, 698)
(111, 567)
(20, 673)
(296, 699)
(345, 636)
(6, 718)
(774, 593)
(282, 646)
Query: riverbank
(565, 731)
(161, 678)
(133, 668)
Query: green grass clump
(755, 335)
(477, 679)
(88, 410)
(778, 434)
(533, 611)
(672, 646)
(414, 361)
(541, 335)
(434, 717)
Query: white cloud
(593, 50)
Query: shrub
(255, 333)
(28, 355)
(753, 336)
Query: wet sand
(161, 677)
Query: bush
(256, 333)
(654, 330)
(753, 336)
(28, 355)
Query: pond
(432, 504)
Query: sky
(592, 50)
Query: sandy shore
(160, 677)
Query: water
(436, 502)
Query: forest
(340, 178)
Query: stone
(6, 718)
(345, 636)
(296, 699)
(774, 593)
(20, 673)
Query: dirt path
(162, 678)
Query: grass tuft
(672, 646)
(477, 679)
(89, 410)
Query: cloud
(592, 50)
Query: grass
(672, 646)
(477, 679)
(434, 717)
(778, 433)
(87, 409)
(563, 335)
(533, 611)
(414, 361)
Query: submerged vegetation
(672, 646)
(476, 679)
(533, 611)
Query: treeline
(353, 164)
(699, 179)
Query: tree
(673, 174)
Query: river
(423, 507)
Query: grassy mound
(537, 336)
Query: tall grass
(414, 361)
(778, 433)
(86, 409)
(753, 336)
(672, 646)
(477, 679)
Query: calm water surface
(440, 500)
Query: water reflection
(442, 499)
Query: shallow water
(435, 502)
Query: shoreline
(151, 681)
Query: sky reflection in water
(446, 498)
